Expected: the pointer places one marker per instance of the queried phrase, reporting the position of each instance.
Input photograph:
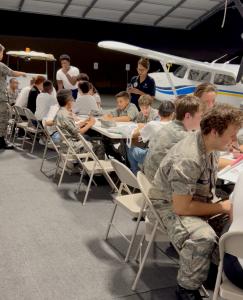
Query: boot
(4, 145)
(184, 294)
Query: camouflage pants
(197, 242)
(4, 116)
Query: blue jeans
(136, 156)
(75, 94)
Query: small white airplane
(189, 73)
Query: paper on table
(231, 173)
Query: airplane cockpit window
(223, 79)
(197, 75)
(180, 72)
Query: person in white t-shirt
(67, 76)
(22, 98)
(45, 100)
(136, 155)
(233, 266)
(85, 102)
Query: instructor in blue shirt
(142, 84)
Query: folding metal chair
(33, 129)
(68, 154)
(158, 231)
(231, 243)
(133, 203)
(94, 167)
(20, 121)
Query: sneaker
(184, 294)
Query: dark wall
(79, 39)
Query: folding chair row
(87, 160)
(32, 127)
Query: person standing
(13, 90)
(67, 76)
(4, 72)
(142, 84)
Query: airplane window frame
(178, 69)
(223, 80)
(199, 75)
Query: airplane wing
(165, 58)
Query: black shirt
(147, 86)
(34, 92)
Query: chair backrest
(231, 243)
(49, 139)
(20, 113)
(144, 186)
(125, 174)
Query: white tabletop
(108, 131)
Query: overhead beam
(239, 6)
(207, 15)
(89, 8)
(66, 7)
(169, 12)
(21, 4)
(130, 10)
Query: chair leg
(145, 257)
(33, 144)
(88, 188)
(80, 182)
(63, 170)
(139, 247)
(15, 133)
(44, 155)
(110, 223)
(133, 237)
(25, 133)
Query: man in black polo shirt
(142, 84)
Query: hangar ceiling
(180, 14)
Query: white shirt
(84, 104)
(43, 103)
(236, 198)
(50, 116)
(22, 98)
(73, 71)
(151, 128)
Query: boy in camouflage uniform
(182, 193)
(188, 115)
(4, 72)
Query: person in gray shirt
(125, 111)
(4, 72)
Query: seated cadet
(125, 111)
(147, 113)
(65, 120)
(207, 93)
(136, 154)
(45, 100)
(85, 103)
(182, 194)
(188, 115)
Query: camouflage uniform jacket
(187, 170)
(160, 144)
